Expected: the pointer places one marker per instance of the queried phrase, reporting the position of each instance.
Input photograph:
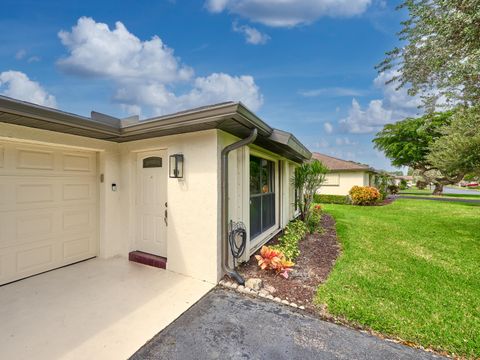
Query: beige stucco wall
(193, 232)
(239, 188)
(192, 237)
(193, 203)
(344, 182)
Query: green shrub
(330, 199)
(364, 195)
(313, 223)
(393, 189)
(288, 242)
(403, 184)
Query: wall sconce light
(176, 166)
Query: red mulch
(317, 257)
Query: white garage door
(48, 208)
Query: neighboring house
(73, 187)
(398, 179)
(343, 175)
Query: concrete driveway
(97, 309)
(227, 325)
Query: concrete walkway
(227, 325)
(97, 309)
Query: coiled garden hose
(237, 239)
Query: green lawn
(410, 270)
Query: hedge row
(330, 199)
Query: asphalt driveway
(227, 325)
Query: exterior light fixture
(176, 166)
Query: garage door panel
(78, 191)
(79, 219)
(48, 209)
(31, 159)
(78, 162)
(35, 193)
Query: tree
(440, 51)
(458, 150)
(307, 180)
(407, 143)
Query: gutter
(224, 203)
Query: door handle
(165, 218)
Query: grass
(410, 270)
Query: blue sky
(305, 66)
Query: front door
(151, 233)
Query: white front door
(151, 234)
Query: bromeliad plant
(273, 259)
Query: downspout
(224, 203)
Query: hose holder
(237, 239)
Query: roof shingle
(334, 164)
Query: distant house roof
(335, 164)
(231, 117)
(404, 177)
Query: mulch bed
(318, 253)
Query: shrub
(288, 242)
(393, 189)
(313, 223)
(330, 199)
(273, 259)
(364, 195)
(403, 184)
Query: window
(262, 195)
(152, 162)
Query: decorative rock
(228, 284)
(285, 302)
(277, 299)
(270, 289)
(234, 286)
(294, 305)
(263, 293)
(222, 282)
(254, 283)
(240, 288)
(302, 307)
(270, 297)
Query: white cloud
(17, 85)
(252, 35)
(147, 73)
(206, 90)
(394, 106)
(288, 13)
(96, 50)
(334, 91)
(328, 127)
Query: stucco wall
(192, 238)
(193, 232)
(239, 188)
(345, 180)
(193, 203)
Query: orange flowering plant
(273, 259)
(364, 195)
